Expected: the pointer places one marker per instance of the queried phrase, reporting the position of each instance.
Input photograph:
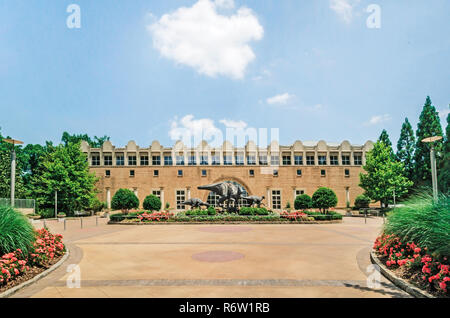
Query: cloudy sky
(148, 70)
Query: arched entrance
(213, 198)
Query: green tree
(97, 142)
(302, 202)
(324, 198)
(444, 166)
(405, 148)
(152, 203)
(65, 169)
(383, 175)
(384, 138)
(124, 199)
(429, 125)
(5, 171)
(362, 201)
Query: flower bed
(410, 261)
(16, 267)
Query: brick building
(279, 173)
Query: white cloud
(344, 8)
(206, 40)
(281, 99)
(378, 119)
(188, 128)
(234, 124)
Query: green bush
(324, 198)
(362, 201)
(152, 203)
(47, 213)
(211, 211)
(424, 222)
(15, 231)
(253, 211)
(302, 202)
(124, 200)
(96, 205)
(197, 212)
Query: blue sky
(313, 69)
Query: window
(239, 160)
(310, 160)
(204, 173)
(157, 193)
(357, 160)
(299, 192)
(107, 160)
(275, 172)
(298, 160)
(144, 160)
(275, 160)
(192, 160)
(347, 172)
(215, 160)
(276, 199)
(131, 160)
(227, 160)
(299, 172)
(334, 160)
(156, 160)
(107, 173)
(323, 172)
(120, 160)
(286, 160)
(204, 160)
(168, 161)
(345, 160)
(96, 160)
(132, 173)
(251, 160)
(180, 173)
(156, 173)
(263, 160)
(322, 160)
(180, 160)
(180, 197)
(251, 172)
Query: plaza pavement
(252, 260)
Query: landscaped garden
(415, 244)
(24, 252)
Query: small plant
(152, 203)
(362, 201)
(323, 199)
(124, 200)
(61, 215)
(16, 232)
(288, 205)
(302, 202)
(167, 205)
(211, 211)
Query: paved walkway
(328, 260)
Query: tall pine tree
(429, 125)
(405, 148)
(384, 138)
(444, 167)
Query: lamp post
(431, 140)
(13, 166)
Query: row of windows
(251, 173)
(228, 160)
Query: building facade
(279, 173)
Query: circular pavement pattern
(225, 229)
(217, 256)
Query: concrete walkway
(327, 260)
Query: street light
(13, 165)
(431, 140)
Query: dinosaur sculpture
(195, 203)
(254, 200)
(227, 192)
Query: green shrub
(302, 202)
(197, 212)
(47, 213)
(362, 201)
(96, 205)
(211, 211)
(152, 203)
(261, 211)
(424, 222)
(324, 198)
(15, 231)
(253, 211)
(124, 200)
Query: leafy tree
(362, 201)
(5, 171)
(124, 199)
(384, 175)
(384, 138)
(444, 167)
(429, 125)
(302, 202)
(65, 169)
(405, 148)
(152, 203)
(324, 198)
(97, 142)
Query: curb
(15, 289)
(399, 282)
(224, 223)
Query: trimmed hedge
(324, 198)
(152, 203)
(124, 199)
(253, 211)
(302, 202)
